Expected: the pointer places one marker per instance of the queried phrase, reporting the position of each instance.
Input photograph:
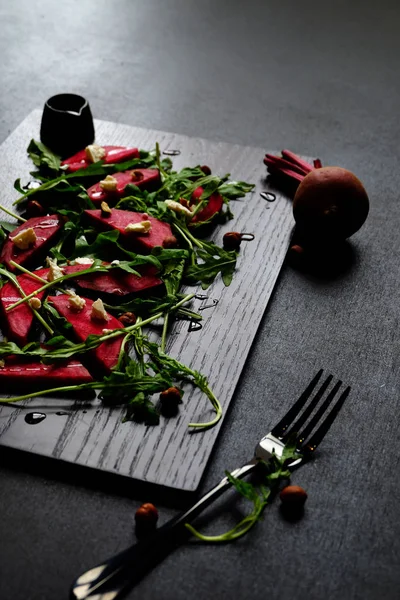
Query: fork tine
(319, 435)
(307, 412)
(284, 423)
(318, 415)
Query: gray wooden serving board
(167, 454)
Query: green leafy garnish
(43, 158)
(274, 471)
(210, 265)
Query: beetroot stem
(282, 163)
(293, 158)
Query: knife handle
(115, 576)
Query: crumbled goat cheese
(94, 153)
(109, 184)
(24, 239)
(76, 302)
(143, 227)
(55, 272)
(98, 311)
(84, 260)
(178, 208)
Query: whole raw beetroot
(330, 202)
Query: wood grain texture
(169, 455)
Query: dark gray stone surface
(318, 78)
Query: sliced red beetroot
(105, 355)
(213, 207)
(18, 321)
(145, 179)
(118, 282)
(160, 233)
(46, 229)
(20, 373)
(114, 154)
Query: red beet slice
(46, 229)
(114, 154)
(20, 373)
(120, 283)
(160, 233)
(18, 321)
(106, 355)
(213, 207)
(116, 282)
(146, 179)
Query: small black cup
(67, 124)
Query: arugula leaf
(290, 449)
(66, 241)
(245, 489)
(144, 306)
(7, 348)
(168, 254)
(5, 229)
(106, 245)
(59, 191)
(121, 387)
(8, 227)
(235, 189)
(18, 186)
(141, 409)
(133, 388)
(169, 367)
(59, 341)
(172, 276)
(133, 201)
(43, 157)
(59, 323)
(32, 349)
(211, 265)
(142, 201)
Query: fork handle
(119, 573)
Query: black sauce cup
(67, 124)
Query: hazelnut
(293, 497)
(35, 303)
(170, 399)
(137, 175)
(297, 249)
(105, 209)
(232, 240)
(169, 242)
(127, 319)
(146, 516)
(34, 209)
(170, 395)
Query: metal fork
(118, 574)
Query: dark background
(322, 79)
